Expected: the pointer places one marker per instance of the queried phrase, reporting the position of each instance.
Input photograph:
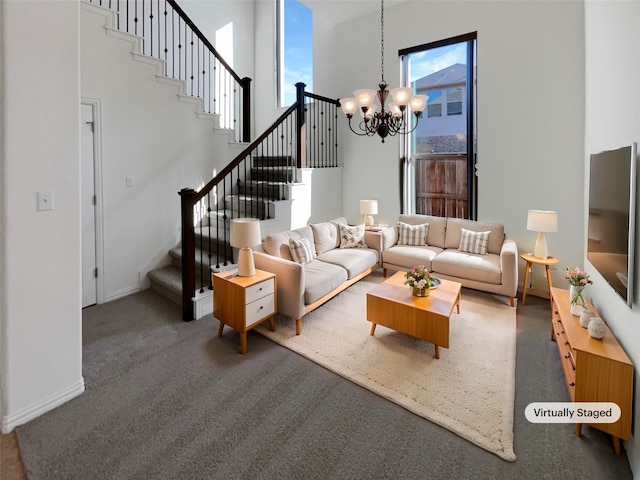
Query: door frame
(95, 105)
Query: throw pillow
(412, 234)
(301, 250)
(474, 242)
(352, 236)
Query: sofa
(316, 262)
(473, 253)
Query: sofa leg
(384, 273)
(298, 326)
(512, 301)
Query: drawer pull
(261, 307)
(566, 343)
(558, 320)
(566, 356)
(572, 384)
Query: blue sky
(298, 48)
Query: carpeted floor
(170, 400)
(469, 390)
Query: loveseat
(476, 254)
(316, 262)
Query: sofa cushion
(352, 236)
(481, 268)
(437, 227)
(326, 235)
(474, 242)
(354, 261)
(409, 256)
(320, 279)
(412, 234)
(301, 250)
(454, 232)
(277, 244)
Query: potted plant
(578, 280)
(419, 280)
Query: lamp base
(368, 220)
(246, 266)
(540, 250)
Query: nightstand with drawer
(244, 302)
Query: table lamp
(368, 208)
(245, 233)
(542, 221)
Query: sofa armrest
(509, 266)
(290, 281)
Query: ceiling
(338, 11)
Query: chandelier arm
(365, 134)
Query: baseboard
(121, 293)
(9, 422)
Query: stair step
(267, 189)
(272, 161)
(168, 282)
(249, 206)
(273, 174)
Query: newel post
(187, 201)
(246, 109)
(301, 151)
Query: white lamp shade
(365, 97)
(542, 221)
(368, 207)
(245, 232)
(418, 103)
(348, 105)
(401, 95)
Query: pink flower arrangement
(577, 277)
(419, 277)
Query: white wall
(147, 133)
(611, 121)
(530, 109)
(40, 313)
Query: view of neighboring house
(442, 126)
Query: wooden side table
(530, 259)
(244, 302)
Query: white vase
(576, 296)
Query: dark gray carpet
(170, 400)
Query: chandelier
(384, 122)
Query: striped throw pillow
(301, 250)
(474, 242)
(412, 234)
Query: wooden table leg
(524, 284)
(549, 283)
(373, 328)
(458, 301)
(220, 327)
(578, 429)
(616, 445)
(272, 324)
(437, 352)
(243, 343)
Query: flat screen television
(611, 221)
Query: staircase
(261, 182)
(266, 194)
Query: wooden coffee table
(391, 304)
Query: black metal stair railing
(304, 136)
(169, 34)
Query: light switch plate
(45, 201)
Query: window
(454, 101)
(439, 157)
(294, 49)
(434, 104)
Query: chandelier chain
(382, 38)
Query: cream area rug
(470, 390)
